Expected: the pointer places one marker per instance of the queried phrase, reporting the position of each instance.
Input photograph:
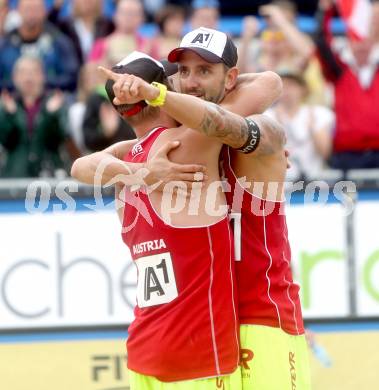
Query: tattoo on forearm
(233, 130)
(230, 128)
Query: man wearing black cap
(106, 167)
(273, 345)
(186, 329)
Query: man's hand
(8, 102)
(273, 14)
(55, 102)
(109, 119)
(325, 4)
(162, 170)
(250, 27)
(129, 89)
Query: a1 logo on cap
(202, 39)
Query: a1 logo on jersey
(156, 280)
(202, 39)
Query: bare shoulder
(195, 147)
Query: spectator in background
(102, 126)
(3, 15)
(128, 18)
(308, 128)
(375, 21)
(153, 6)
(38, 38)
(88, 80)
(282, 47)
(32, 128)
(170, 21)
(9, 18)
(205, 13)
(354, 73)
(84, 26)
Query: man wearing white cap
(273, 347)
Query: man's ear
(231, 78)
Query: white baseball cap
(211, 45)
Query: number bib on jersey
(156, 280)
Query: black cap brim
(144, 68)
(169, 67)
(174, 55)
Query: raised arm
(259, 133)
(254, 93)
(210, 119)
(301, 44)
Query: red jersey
(267, 294)
(186, 324)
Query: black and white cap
(145, 67)
(211, 45)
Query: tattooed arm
(216, 122)
(203, 116)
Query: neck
(89, 20)
(29, 100)
(30, 32)
(147, 125)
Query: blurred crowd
(53, 106)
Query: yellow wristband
(161, 98)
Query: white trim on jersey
(267, 250)
(214, 342)
(236, 321)
(289, 283)
(143, 138)
(289, 297)
(269, 267)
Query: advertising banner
(71, 268)
(318, 242)
(367, 257)
(64, 269)
(339, 359)
(64, 365)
